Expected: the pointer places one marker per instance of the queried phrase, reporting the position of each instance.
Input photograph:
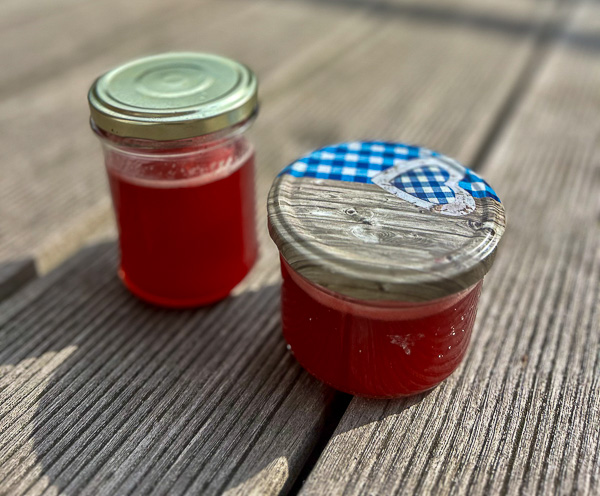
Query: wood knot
(474, 224)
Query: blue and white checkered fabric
(359, 161)
(477, 186)
(355, 162)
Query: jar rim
(380, 309)
(141, 147)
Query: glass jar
(379, 292)
(181, 174)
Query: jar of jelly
(181, 173)
(383, 251)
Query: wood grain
(102, 394)
(521, 415)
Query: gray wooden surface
(101, 394)
(53, 195)
(522, 414)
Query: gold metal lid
(384, 221)
(173, 96)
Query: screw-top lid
(385, 221)
(173, 96)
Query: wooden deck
(103, 395)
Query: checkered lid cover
(382, 220)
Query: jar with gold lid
(181, 173)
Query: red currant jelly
(186, 222)
(375, 349)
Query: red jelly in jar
(383, 251)
(181, 174)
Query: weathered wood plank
(521, 416)
(436, 84)
(102, 394)
(74, 32)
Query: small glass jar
(181, 174)
(380, 290)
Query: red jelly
(181, 174)
(371, 349)
(187, 234)
(383, 251)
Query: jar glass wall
(375, 349)
(185, 211)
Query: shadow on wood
(105, 394)
(14, 275)
(102, 393)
